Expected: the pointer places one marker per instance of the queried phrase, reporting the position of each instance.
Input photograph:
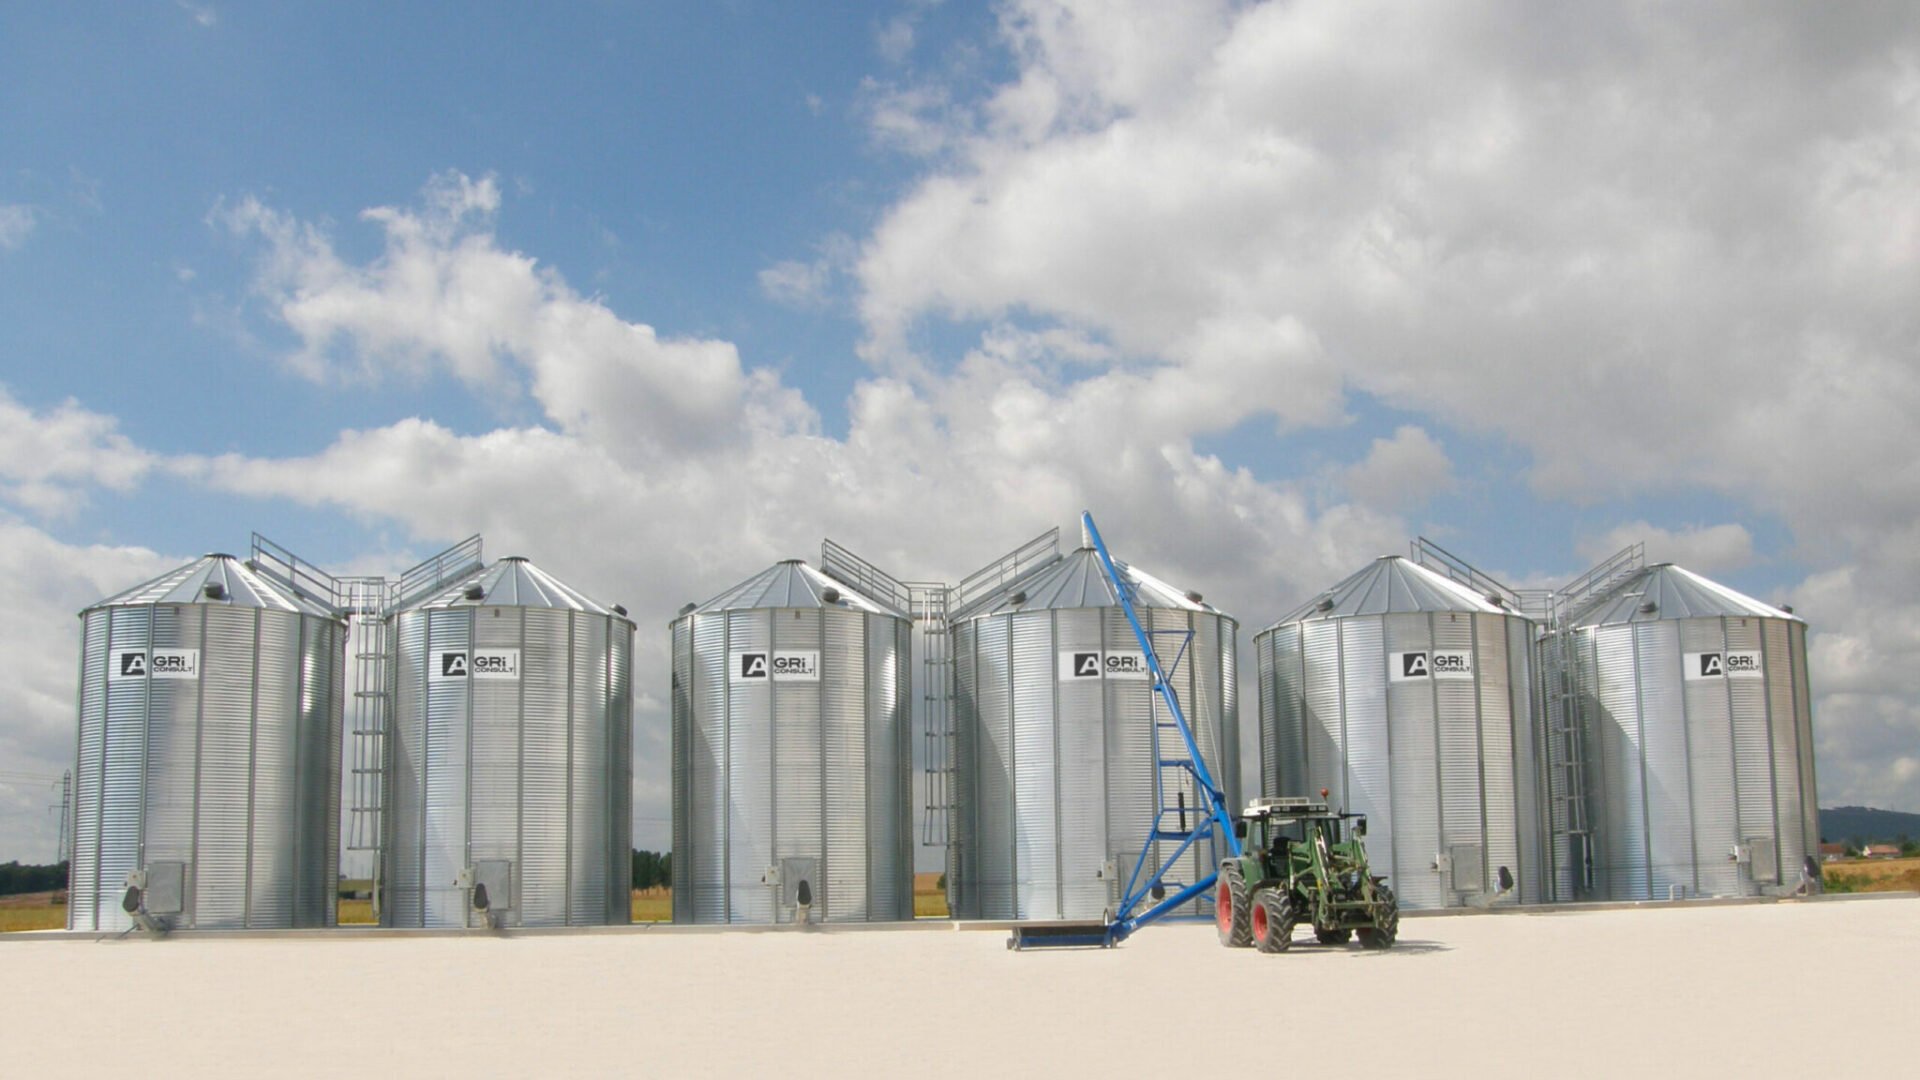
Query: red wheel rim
(1223, 906)
(1259, 920)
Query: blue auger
(1123, 921)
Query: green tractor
(1300, 866)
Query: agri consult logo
(1430, 664)
(1082, 664)
(156, 664)
(778, 665)
(480, 664)
(1728, 664)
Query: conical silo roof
(216, 579)
(1080, 581)
(513, 582)
(791, 584)
(1393, 585)
(1666, 591)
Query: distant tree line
(16, 878)
(652, 869)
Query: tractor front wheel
(1386, 930)
(1273, 920)
(1231, 914)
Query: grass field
(1872, 875)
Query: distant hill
(1865, 825)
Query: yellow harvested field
(1694, 989)
(1875, 875)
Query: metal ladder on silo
(925, 606)
(366, 602)
(1568, 761)
(1567, 709)
(936, 697)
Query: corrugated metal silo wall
(534, 770)
(232, 773)
(1055, 778)
(1683, 769)
(766, 771)
(1434, 763)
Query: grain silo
(1695, 734)
(791, 757)
(1407, 695)
(1055, 779)
(508, 762)
(208, 765)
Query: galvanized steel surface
(1696, 737)
(791, 755)
(209, 737)
(1445, 768)
(1054, 789)
(510, 741)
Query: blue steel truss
(1215, 816)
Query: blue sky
(660, 292)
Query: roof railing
(1571, 600)
(864, 577)
(448, 567)
(1436, 558)
(296, 574)
(1009, 571)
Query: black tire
(1384, 935)
(1273, 921)
(1232, 911)
(1328, 936)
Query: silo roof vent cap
(475, 592)
(214, 590)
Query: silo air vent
(1017, 598)
(620, 609)
(214, 590)
(1325, 604)
(688, 610)
(1497, 601)
(1649, 608)
(1194, 596)
(475, 592)
(1788, 608)
(830, 594)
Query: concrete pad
(1760, 990)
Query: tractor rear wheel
(1231, 909)
(1273, 920)
(1332, 935)
(1386, 931)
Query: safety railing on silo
(1438, 559)
(447, 568)
(1572, 600)
(1005, 574)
